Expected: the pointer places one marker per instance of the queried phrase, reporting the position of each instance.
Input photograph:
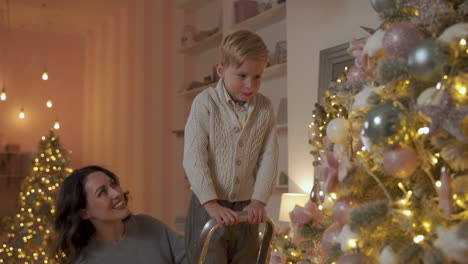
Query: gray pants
(237, 244)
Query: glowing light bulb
(352, 243)
(56, 125)
(418, 239)
(21, 114)
(3, 95)
(438, 184)
(49, 103)
(423, 131)
(463, 42)
(45, 76)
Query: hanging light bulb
(3, 95)
(45, 75)
(49, 103)
(21, 114)
(57, 125)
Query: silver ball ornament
(426, 59)
(381, 5)
(382, 122)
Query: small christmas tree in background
(390, 142)
(29, 234)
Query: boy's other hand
(256, 212)
(223, 215)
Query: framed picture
(332, 64)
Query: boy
(231, 153)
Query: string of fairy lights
(22, 114)
(45, 74)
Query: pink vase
(244, 9)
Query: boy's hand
(223, 215)
(256, 212)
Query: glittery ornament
(400, 38)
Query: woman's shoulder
(143, 221)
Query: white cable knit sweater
(224, 161)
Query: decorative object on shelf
(281, 52)
(282, 116)
(245, 9)
(264, 6)
(192, 35)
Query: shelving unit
(200, 56)
(192, 4)
(263, 19)
(195, 91)
(282, 128)
(203, 45)
(275, 70)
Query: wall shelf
(271, 16)
(282, 127)
(203, 45)
(193, 92)
(192, 4)
(275, 70)
(178, 132)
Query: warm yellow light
(3, 95)
(49, 103)
(56, 125)
(45, 76)
(463, 42)
(403, 201)
(435, 160)
(438, 184)
(21, 114)
(402, 187)
(352, 243)
(407, 82)
(427, 226)
(333, 196)
(423, 131)
(407, 212)
(289, 201)
(418, 239)
(320, 207)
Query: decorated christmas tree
(390, 143)
(30, 232)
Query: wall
(23, 57)
(129, 98)
(311, 27)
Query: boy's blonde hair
(241, 45)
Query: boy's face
(243, 82)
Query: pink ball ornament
(330, 237)
(356, 74)
(354, 258)
(400, 38)
(342, 208)
(400, 161)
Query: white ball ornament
(337, 130)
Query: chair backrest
(211, 226)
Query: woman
(94, 225)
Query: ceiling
(73, 17)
